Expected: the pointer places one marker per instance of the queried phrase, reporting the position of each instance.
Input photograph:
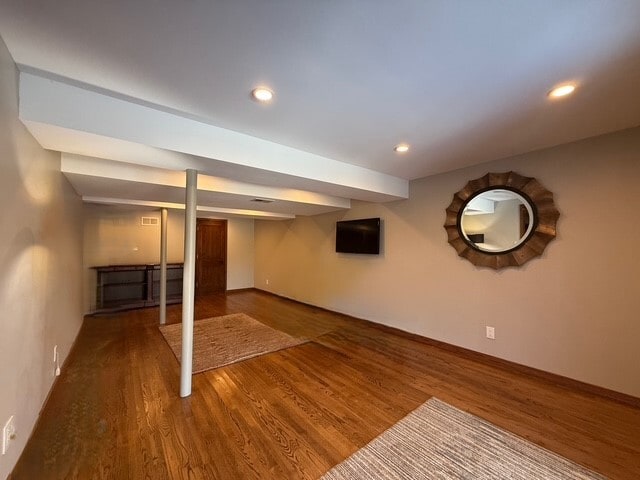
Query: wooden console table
(133, 286)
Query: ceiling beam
(205, 211)
(208, 186)
(51, 102)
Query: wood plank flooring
(115, 413)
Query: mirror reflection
(496, 220)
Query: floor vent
(149, 221)
(262, 200)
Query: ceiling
(165, 85)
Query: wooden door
(211, 256)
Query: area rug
(438, 441)
(228, 339)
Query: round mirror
(501, 220)
(497, 220)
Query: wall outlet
(266, 281)
(491, 333)
(8, 434)
(56, 361)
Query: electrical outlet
(267, 281)
(56, 363)
(491, 333)
(8, 434)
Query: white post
(163, 267)
(188, 282)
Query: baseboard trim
(62, 368)
(239, 290)
(46, 399)
(553, 378)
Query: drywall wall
(573, 311)
(40, 267)
(115, 236)
(240, 253)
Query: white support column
(163, 267)
(188, 282)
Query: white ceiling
(462, 82)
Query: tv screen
(358, 236)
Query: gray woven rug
(228, 339)
(439, 441)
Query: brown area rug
(439, 441)
(228, 339)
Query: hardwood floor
(116, 413)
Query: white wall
(574, 311)
(40, 267)
(115, 236)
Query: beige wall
(573, 311)
(240, 253)
(114, 235)
(40, 267)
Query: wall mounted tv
(358, 236)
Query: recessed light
(562, 91)
(262, 94)
(401, 148)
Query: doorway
(211, 256)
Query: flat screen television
(358, 236)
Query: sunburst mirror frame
(545, 217)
